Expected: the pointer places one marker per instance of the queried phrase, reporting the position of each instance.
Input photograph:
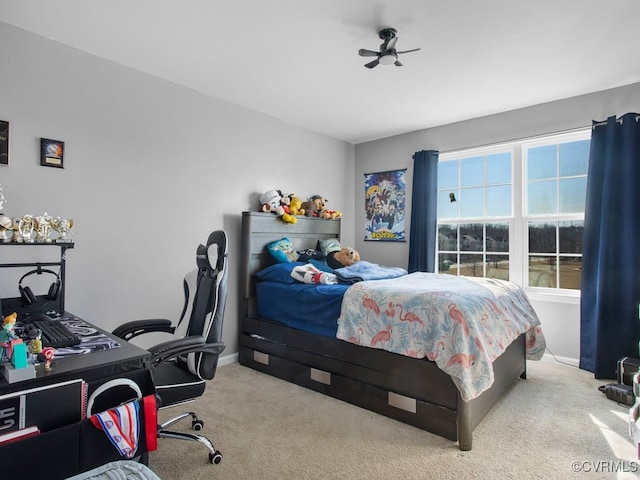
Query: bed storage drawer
(390, 372)
(427, 416)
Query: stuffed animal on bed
(310, 274)
(344, 257)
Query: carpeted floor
(546, 427)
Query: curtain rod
(535, 137)
(521, 139)
(619, 120)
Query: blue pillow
(282, 251)
(278, 272)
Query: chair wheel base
(215, 458)
(197, 425)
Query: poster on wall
(384, 198)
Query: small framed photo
(4, 142)
(51, 153)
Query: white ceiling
(297, 60)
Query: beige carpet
(270, 429)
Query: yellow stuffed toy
(295, 206)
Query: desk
(66, 451)
(91, 367)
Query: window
(556, 187)
(515, 211)
(475, 208)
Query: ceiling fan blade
(397, 63)
(372, 64)
(363, 52)
(408, 51)
(391, 44)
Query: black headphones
(27, 294)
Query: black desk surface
(93, 366)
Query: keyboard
(54, 333)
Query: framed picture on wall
(51, 153)
(384, 198)
(4, 142)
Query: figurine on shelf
(6, 225)
(7, 334)
(63, 227)
(26, 226)
(43, 228)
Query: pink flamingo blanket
(461, 323)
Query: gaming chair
(180, 367)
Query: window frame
(519, 220)
(554, 139)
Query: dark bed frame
(413, 391)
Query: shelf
(16, 303)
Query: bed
(302, 350)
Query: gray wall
(150, 169)
(560, 316)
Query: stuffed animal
(271, 201)
(344, 257)
(285, 200)
(330, 214)
(295, 206)
(314, 206)
(310, 274)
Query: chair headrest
(203, 260)
(211, 256)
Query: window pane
(542, 198)
(573, 193)
(472, 202)
(541, 162)
(471, 265)
(570, 272)
(570, 237)
(497, 237)
(447, 208)
(448, 238)
(498, 266)
(542, 271)
(499, 168)
(574, 158)
(472, 172)
(448, 174)
(471, 237)
(542, 237)
(445, 261)
(499, 201)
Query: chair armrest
(173, 348)
(128, 330)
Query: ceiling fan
(388, 53)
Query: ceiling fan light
(388, 59)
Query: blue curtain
(424, 213)
(610, 327)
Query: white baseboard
(574, 362)
(228, 359)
